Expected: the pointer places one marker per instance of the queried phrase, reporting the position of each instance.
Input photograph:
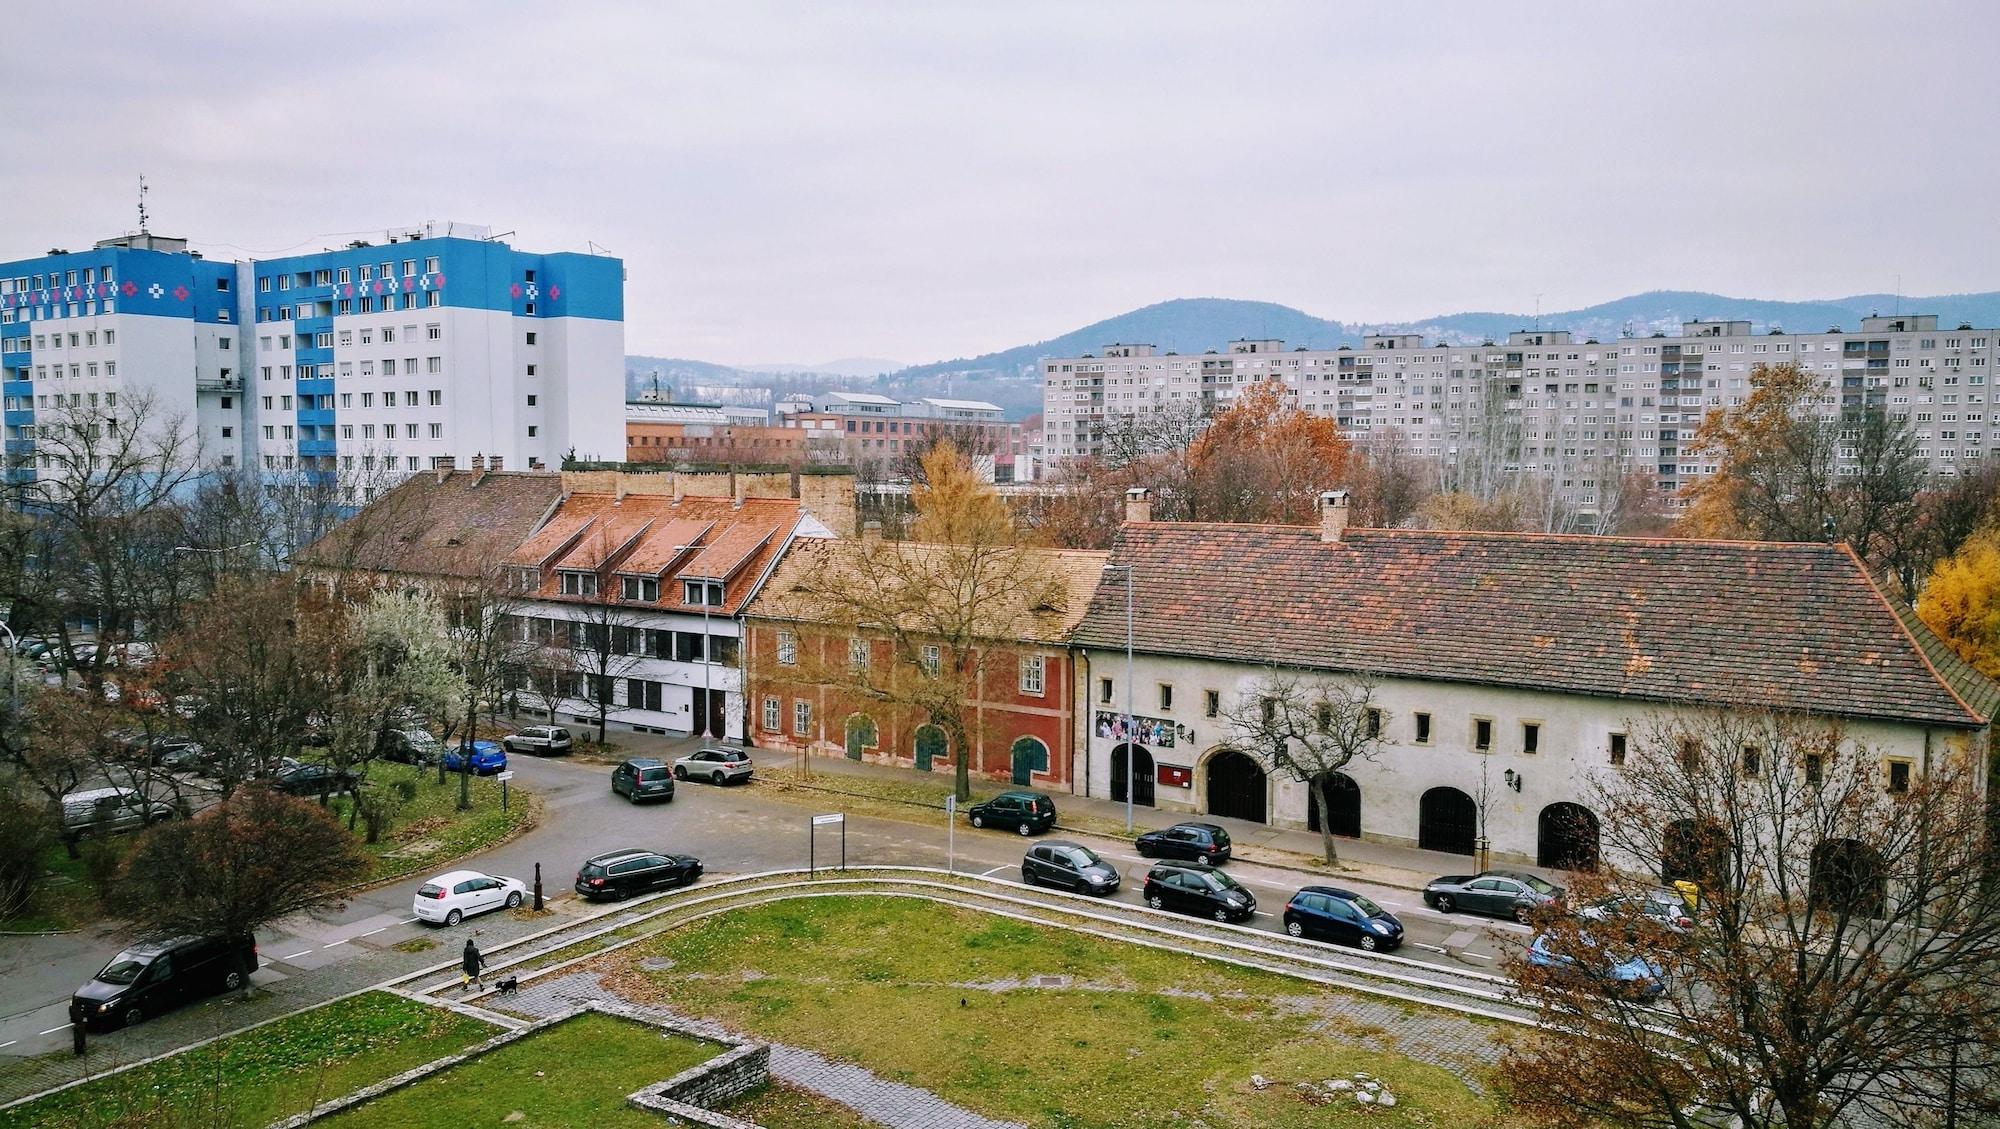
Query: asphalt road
(734, 830)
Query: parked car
(1329, 913)
(1500, 893)
(180, 754)
(1660, 906)
(313, 779)
(643, 778)
(410, 746)
(1188, 887)
(717, 766)
(487, 758)
(1589, 962)
(621, 874)
(100, 811)
(1030, 813)
(1070, 866)
(452, 897)
(148, 979)
(541, 740)
(1197, 842)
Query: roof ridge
(1915, 643)
(1591, 538)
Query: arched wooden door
(1236, 786)
(1566, 837)
(1448, 821)
(1029, 756)
(860, 735)
(931, 744)
(1142, 775)
(1343, 804)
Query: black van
(1030, 813)
(158, 976)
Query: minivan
(1030, 813)
(643, 778)
(100, 811)
(148, 979)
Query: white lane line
(331, 944)
(8, 1043)
(1261, 913)
(297, 954)
(1475, 956)
(1391, 905)
(1433, 948)
(372, 932)
(406, 921)
(53, 1030)
(997, 869)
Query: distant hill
(845, 366)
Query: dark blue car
(487, 758)
(1329, 913)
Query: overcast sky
(808, 181)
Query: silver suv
(100, 811)
(541, 740)
(717, 766)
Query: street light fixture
(1131, 748)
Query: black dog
(510, 984)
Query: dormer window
(527, 579)
(579, 583)
(645, 589)
(702, 593)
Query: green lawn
(430, 829)
(276, 1070)
(1136, 1037)
(779, 1106)
(574, 1074)
(65, 900)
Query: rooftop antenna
(1538, 311)
(143, 217)
(1899, 295)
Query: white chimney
(1332, 516)
(1138, 505)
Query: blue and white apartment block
(360, 364)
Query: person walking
(470, 963)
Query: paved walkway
(892, 1104)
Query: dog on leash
(509, 984)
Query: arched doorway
(1343, 804)
(931, 745)
(1029, 756)
(1566, 837)
(1448, 821)
(860, 735)
(1236, 786)
(1694, 851)
(1142, 775)
(1849, 877)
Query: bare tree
(1311, 725)
(1841, 964)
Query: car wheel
(1202, 859)
(1156, 902)
(978, 821)
(514, 900)
(232, 980)
(1028, 877)
(1295, 929)
(680, 772)
(1222, 915)
(453, 918)
(1367, 941)
(1521, 914)
(134, 1017)
(716, 779)
(1445, 904)
(1145, 852)
(1026, 829)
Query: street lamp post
(1130, 572)
(707, 687)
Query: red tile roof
(642, 533)
(1785, 626)
(459, 524)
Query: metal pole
(843, 844)
(707, 693)
(812, 845)
(538, 887)
(13, 671)
(1131, 746)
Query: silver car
(717, 766)
(541, 740)
(98, 811)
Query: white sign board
(951, 803)
(821, 820)
(507, 775)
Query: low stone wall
(742, 1068)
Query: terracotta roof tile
(460, 526)
(660, 527)
(1786, 626)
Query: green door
(1030, 756)
(860, 735)
(930, 743)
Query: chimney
(871, 534)
(442, 464)
(678, 489)
(1138, 506)
(1332, 516)
(735, 490)
(493, 463)
(479, 462)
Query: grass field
(574, 1075)
(950, 1001)
(778, 1106)
(252, 1079)
(430, 829)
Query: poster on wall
(1153, 731)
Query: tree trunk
(1323, 806)
(961, 750)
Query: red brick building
(1020, 722)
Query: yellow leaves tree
(1740, 439)
(1265, 459)
(1962, 601)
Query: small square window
(1899, 777)
(1104, 691)
(1211, 703)
(1423, 728)
(1166, 697)
(1374, 722)
(1753, 761)
(1618, 749)
(1531, 737)
(1482, 733)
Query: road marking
(1391, 905)
(8, 1043)
(53, 1030)
(997, 869)
(1433, 948)
(297, 954)
(1261, 913)
(1475, 956)
(331, 944)
(372, 932)
(406, 921)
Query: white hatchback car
(451, 898)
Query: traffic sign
(505, 776)
(822, 820)
(951, 803)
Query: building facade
(1544, 403)
(361, 364)
(1510, 670)
(864, 427)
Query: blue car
(487, 758)
(1633, 977)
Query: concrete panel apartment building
(1543, 402)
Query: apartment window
(1482, 733)
(1899, 777)
(1374, 721)
(1753, 761)
(788, 649)
(531, 337)
(437, 397)
(857, 654)
(645, 588)
(770, 715)
(1166, 697)
(933, 660)
(410, 398)
(1211, 703)
(531, 401)
(1423, 728)
(802, 718)
(579, 583)
(1031, 675)
(533, 431)
(1531, 736)
(1104, 691)
(1618, 750)
(434, 365)
(702, 593)
(1815, 768)
(437, 431)
(531, 370)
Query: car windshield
(1538, 885)
(652, 774)
(1368, 908)
(125, 968)
(1220, 881)
(1081, 857)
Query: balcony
(208, 382)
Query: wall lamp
(1513, 779)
